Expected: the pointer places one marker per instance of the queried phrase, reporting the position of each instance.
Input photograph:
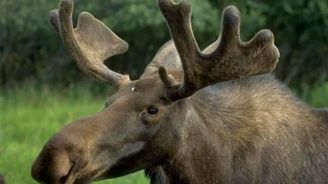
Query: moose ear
(168, 57)
(166, 78)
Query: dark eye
(152, 110)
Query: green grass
(29, 116)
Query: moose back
(211, 116)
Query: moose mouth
(78, 175)
(90, 172)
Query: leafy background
(31, 51)
(41, 89)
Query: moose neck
(249, 124)
(202, 150)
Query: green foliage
(317, 95)
(31, 50)
(301, 30)
(29, 116)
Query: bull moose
(202, 117)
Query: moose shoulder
(212, 116)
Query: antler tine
(54, 20)
(178, 17)
(230, 29)
(90, 43)
(234, 58)
(231, 58)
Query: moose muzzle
(87, 149)
(69, 156)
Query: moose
(195, 116)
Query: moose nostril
(52, 166)
(68, 177)
(63, 179)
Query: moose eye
(152, 110)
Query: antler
(231, 59)
(90, 43)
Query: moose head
(143, 123)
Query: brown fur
(266, 137)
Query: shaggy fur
(250, 130)
(258, 132)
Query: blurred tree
(28, 46)
(301, 28)
(31, 50)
